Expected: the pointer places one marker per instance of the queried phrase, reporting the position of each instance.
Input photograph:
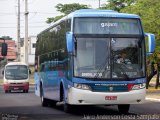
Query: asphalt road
(26, 106)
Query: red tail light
(130, 86)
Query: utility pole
(26, 32)
(18, 32)
(99, 4)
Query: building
(11, 53)
(31, 50)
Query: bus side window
(42, 68)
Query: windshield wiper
(103, 66)
(124, 73)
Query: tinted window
(107, 26)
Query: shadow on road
(91, 110)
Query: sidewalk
(153, 94)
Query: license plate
(110, 97)
(16, 88)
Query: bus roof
(93, 13)
(100, 13)
(16, 63)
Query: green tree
(6, 37)
(65, 9)
(117, 5)
(149, 12)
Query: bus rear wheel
(124, 109)
(44, 101)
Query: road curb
(153, 99)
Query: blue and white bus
(78, 60)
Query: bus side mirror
(4, 49)
(2, 72)
(150, 43)
(69, 38)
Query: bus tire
(66, 107)
(44, 101)
(52, 103)
(123, 109)
(25, 91)
(6, 91)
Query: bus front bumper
(87, 97)
(21, 86)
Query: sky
(39, 11)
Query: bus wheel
(123, 108)
(44, 101)
(66, 107)
(6, 91)
(25, 91)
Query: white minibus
(16, 77)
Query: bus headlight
(82, 86)
(139, 86)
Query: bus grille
(109, 88)
(16, 88)
(16, 83)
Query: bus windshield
(105, 25)
(16, 72)
(109, 58)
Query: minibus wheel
(25, 91)
(123, 109)
(6, 91)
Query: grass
(153, 89)
(31, 81)
(1, 81)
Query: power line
(7, 23)
(35, 22)
(44, 12)
(32, 2)
(6, 13)
(10, 13)
(23, 27)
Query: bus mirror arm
(2, 72)
(29, 71)
(75, 49)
